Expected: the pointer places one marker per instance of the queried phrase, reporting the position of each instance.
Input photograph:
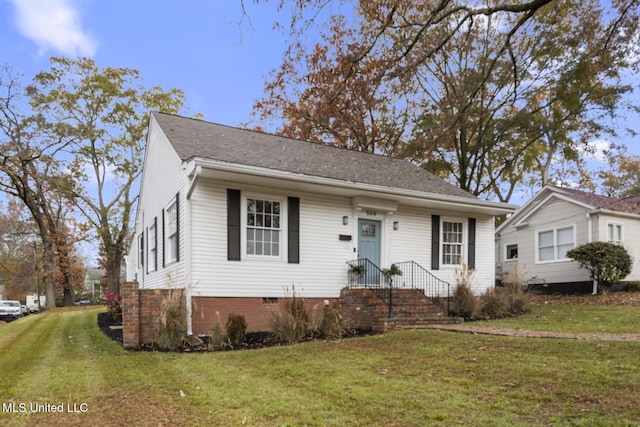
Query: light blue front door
(369, 240)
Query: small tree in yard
(607, 263)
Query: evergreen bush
(607, 263)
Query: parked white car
(10, 310)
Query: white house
(239, 218)
(533, 242)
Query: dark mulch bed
(104, 322)
(253, 340)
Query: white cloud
(597, 150)
(53, 25)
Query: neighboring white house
(239, 218)
(533, 242)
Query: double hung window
(452, 242)
(263, 227)
(614, 233)
(553, 245)
(172, 233)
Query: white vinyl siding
(163, 177)
(322, 270)
(553, 245)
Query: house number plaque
(371, 213)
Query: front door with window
(369, 243)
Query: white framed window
(553, 245)
(614, 233)
(511, 252)
(153, 247)
(452, 241)
(263, 223)
(171, 233)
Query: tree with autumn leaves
(490, 95)
(76, 126)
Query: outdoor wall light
(396, 225)
(345, 220)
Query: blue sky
(206, 48)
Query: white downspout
(191, 185)
(589, 240)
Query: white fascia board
(481, 206)
(600, 211)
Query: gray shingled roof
(193, 138)
(628, 205)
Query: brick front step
(362, 309)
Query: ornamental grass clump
(216, 335)
(464, 303)
(331, 324)
(518, 299)
(293, 323)
(505, 301)
(494, 303)
(172, 324)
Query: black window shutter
(435, 242)
(293, 233)
(155, 240)
(178, 226)
(148, 260)
(164, 241)
(233, 225)
(142, 248)
(471, 257)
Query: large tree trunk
(48, 262)
(113, 265)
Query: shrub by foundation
(494, 303)
(631, 286)
(236, 328)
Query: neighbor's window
(511, 252)
(553, 245)
(452, 242)
(263, 227)
(172, 233)
(614, 233)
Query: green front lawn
(406, 378)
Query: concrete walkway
(487, 330)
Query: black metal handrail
(417, 277)
(365, 274)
